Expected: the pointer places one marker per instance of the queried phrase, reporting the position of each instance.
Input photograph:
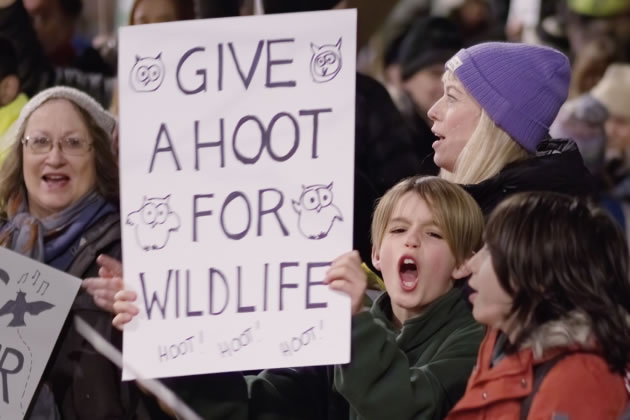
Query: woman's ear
(376, 258)
(462, 271)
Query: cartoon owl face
(315, 197)
(316, 211)
(155, 210)
(147, 74)
(326, 61)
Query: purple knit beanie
(520, 86)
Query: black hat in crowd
(288, 6)
(430, 40)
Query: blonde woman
(493, 119)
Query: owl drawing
(326, 61)
(153, 223)
(316, 211)
(147, 73)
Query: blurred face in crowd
(53, 28)
(582, 29)
(491, 304)
(455, 116)
(416, 261)
(154, 11)
(56, 179)
(618, 132)
(425, 87)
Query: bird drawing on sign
(20, 306)
(153, 222)
(316, 211)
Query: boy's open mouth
(408, 270)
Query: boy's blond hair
(454, 211)
(486, 153)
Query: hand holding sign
(237, 163)
(104, 288)
(347, 275)
(124, 309)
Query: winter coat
(417, 372)
(578, 387)
(557, 167)
(85, 384)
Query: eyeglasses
(73, 146)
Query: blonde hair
(454, 211)
(488, 150)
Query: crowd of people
(491, 196)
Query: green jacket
(417, 372)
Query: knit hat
(103, 118)
(521, 87)
(582, 120)
(598, 8)
(431, 40)
(613, 90)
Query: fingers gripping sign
(346, 275)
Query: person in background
(586, 20)
(429, 44)
(582, 119)
(11, 97)
(154, 11)
(590, 64)
(55, 23)
(35, 68)
(158, 11)
(59, 206)
(613, 91)
(557, 309)
(492, 123)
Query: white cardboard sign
(34, 302)
(237, 162)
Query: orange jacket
(580, 387)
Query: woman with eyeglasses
(59, 205)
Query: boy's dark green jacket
(417, 372)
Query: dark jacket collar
(557, 167)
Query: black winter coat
(85, 384)
(557, 167)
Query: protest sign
(237, 163)
(34, 302)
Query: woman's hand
(346, 275)
(104, 288)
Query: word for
(244, 339)
(11, 363)
(295, 344)
(240, 145)
(174, 351)
(268, 201)
(246, 72)
(174, 300)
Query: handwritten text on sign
(237, 154)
